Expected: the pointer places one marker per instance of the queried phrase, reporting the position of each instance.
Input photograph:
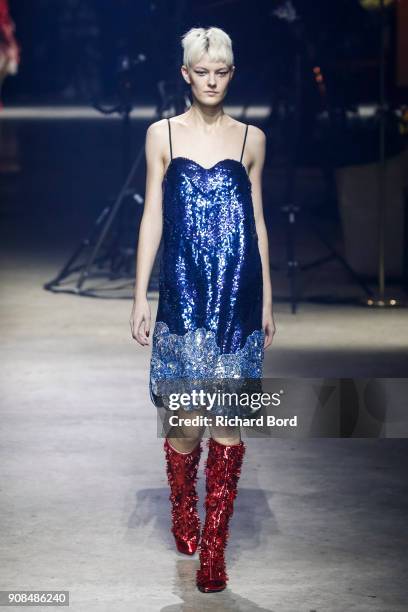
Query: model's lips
(211, 92)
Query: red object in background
(9, 48)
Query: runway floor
(319, 524)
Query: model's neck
(204, 116)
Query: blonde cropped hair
(213, 41)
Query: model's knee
(227, 441)
(184, 445)
(226, 435)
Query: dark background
(70, 48)
(58, 173)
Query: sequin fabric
(182, 477)
(223, 471)
(209, 317)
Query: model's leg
(184, 438)
(223, 467)
(182, 448)
(225, 434)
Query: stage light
(374, 5)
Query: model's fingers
(137, 335)
(147, 326)
(133, 328)
(142, 332)
(268, 336)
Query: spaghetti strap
(243, 146)
(171, 150)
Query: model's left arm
(257, 150)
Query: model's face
(209, 80)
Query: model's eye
(200, 73)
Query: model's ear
(232, 72)
(185, 74)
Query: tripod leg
(66, 270)
(109, 221)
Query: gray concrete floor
(319, 524)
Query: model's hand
(140, 321)
(268, 325)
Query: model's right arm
(150, 232)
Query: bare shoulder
(163, 124)
(255, 148)
(157, 141)
(253, 130)
(156, 129)
(257, 135)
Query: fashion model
(214, 318)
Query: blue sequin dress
(209, 316)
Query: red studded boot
(182, 476)
(223, 468)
